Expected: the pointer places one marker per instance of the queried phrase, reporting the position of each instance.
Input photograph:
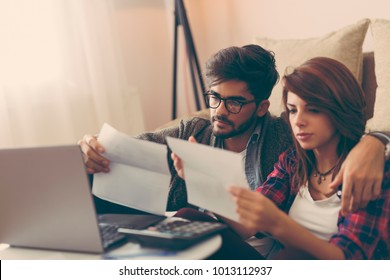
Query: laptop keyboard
(110, 236)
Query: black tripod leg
(181, 19)
(174, 95)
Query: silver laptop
(46, 202)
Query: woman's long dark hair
(328, 85)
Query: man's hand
(92, 150)
(361, 174)
(177, 160)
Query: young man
(240, 80)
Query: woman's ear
(262, 109)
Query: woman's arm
(240, 229)
(258, 213)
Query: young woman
(325, 108)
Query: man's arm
(384, 137)
(361, 173)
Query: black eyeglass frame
(210, 93)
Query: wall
(146, 28)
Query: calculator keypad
(189, 229)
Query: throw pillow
(344, 45)
(381, 37)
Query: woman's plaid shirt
(364, 234)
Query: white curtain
(61, 73)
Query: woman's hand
(177, 162)
(256, 212)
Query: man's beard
(235, 131)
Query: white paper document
(208, 173)
(139, 176)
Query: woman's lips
(304, 136)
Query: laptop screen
(45, 200)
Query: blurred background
(68, 66)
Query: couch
(371, 68)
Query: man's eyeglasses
(233, 106)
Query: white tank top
(318, 216)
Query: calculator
(174, 234)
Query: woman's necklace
(322, 176)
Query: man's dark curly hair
(250, 64)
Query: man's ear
(262, 109)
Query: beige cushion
(381, 35)
(344, 45)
